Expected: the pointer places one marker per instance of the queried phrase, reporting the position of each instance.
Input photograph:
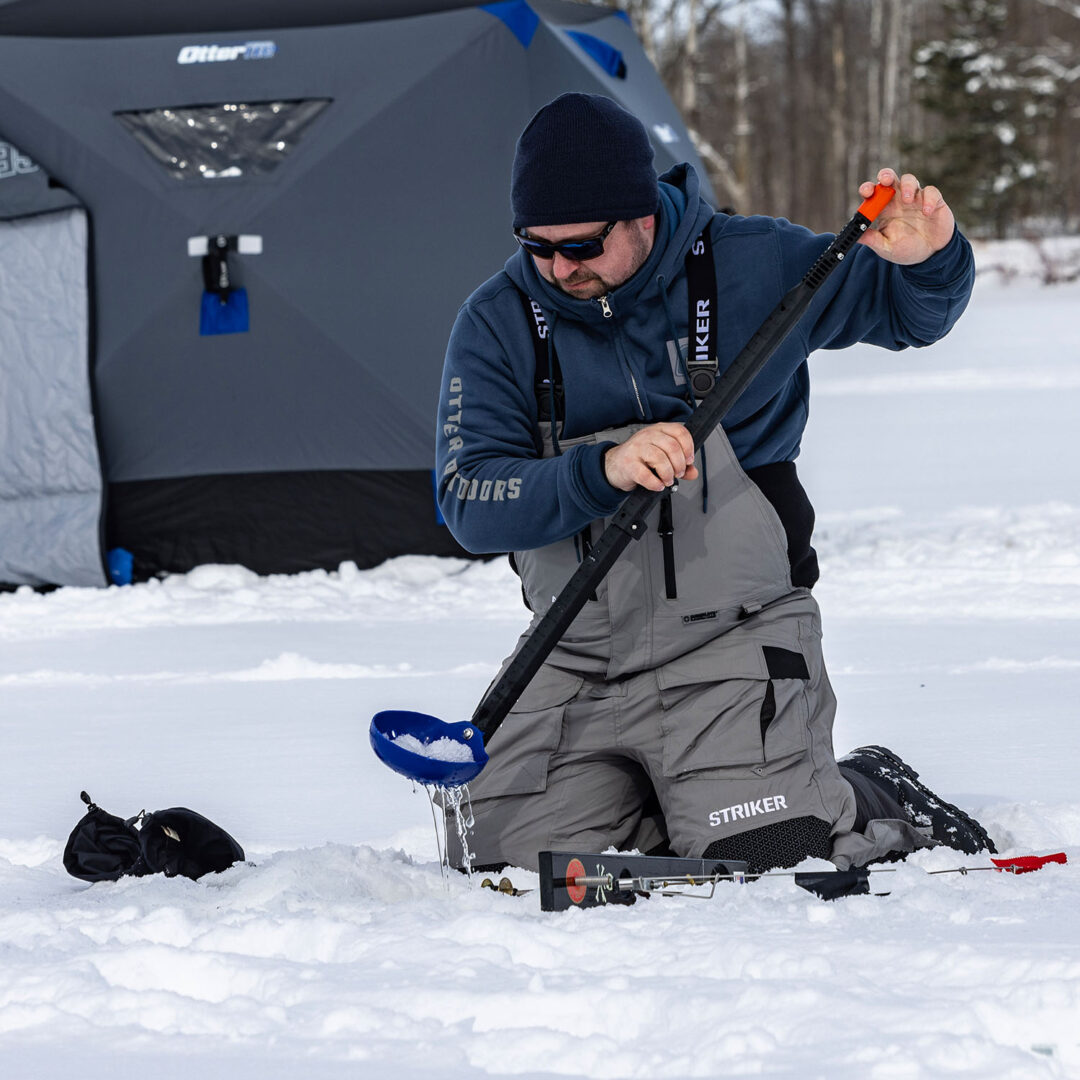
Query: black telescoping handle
(629, 521)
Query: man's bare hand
(916, 223)
(654, 457)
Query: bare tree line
(792, 102)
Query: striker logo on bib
(740, 811)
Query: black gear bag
(104, 847)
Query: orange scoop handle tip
(877, 202)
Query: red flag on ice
(1026, 864)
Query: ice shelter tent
(233, 239)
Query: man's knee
(777, 845)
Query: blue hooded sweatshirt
(497, 491)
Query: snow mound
(407, 588)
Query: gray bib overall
(699, 723)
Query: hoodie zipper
(633, 383)
(605, 307)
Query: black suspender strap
(701, 369)
(546, 394)
(666, 531)
(701, 361)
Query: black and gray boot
(947, 824)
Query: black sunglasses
(592, 247)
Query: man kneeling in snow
(687, 708)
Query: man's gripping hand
(916, 223)
(654, 457)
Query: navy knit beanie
(582, 158)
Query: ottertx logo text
(770, 804)
(473, 490)
(215, 54)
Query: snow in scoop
(438, 749)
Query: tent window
(214, 142)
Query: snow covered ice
(947, 484)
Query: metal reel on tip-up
(452, 769)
